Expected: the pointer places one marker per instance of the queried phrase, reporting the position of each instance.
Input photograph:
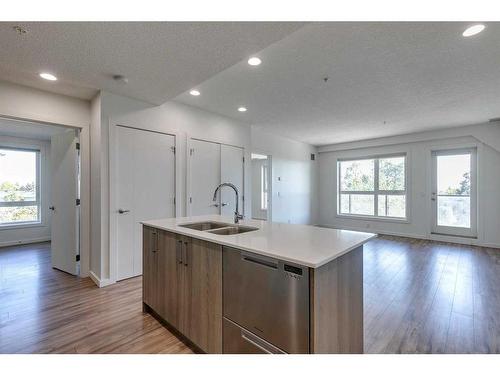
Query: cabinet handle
(185, 254)
(178, 252)
(154, 239)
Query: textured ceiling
(160, 59)
(384, 79)
(23, 129)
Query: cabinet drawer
(238, 340)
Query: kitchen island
(255, 287)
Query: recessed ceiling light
(48, 76)
(473, 30)
(242, 109)
(254, 61)
(195, 92)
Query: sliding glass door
(454, 192)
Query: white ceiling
(160, 59)
(384, 79)
(24, 129)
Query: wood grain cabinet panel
(169, 277)
(336, 305)
(150, 281)
(202, 302)
(182, 283)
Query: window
(19, 186)
(373, 187)
(263, 187)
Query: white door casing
(145, 190)
(65, 245)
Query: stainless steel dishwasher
(266, 304)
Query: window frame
(376, 192)
(38, 191)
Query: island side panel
(337, 305)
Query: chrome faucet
(237, 215)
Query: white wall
(174, 118)
(185, 122)
(35, 105)
(418, 147)
(35, 232)
(294, 177)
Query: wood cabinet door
(150, 267)
(202, 294)
(169, 277)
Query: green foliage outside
(463, 186)
(358, 175)
(392, 174)
(13, 192)
(355, 176)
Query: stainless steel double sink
(217, 227)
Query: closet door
(145, 190)
(231, 171)
(204, 177)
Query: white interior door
(204, 177)
(454, 198)
(65, 192)
(145, 190)
(231, 171)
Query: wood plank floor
(420, 297)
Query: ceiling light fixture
(254, 61)
(48, 76)
(473, 30)
(195, 92)
(242, 109)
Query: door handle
(122, 211)
(52, 208)
(224, 204)
(184, 254)
(178, 252)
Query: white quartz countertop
(301, 244)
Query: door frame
(189, 140)
(84, 222)
(471, 233)
(113, 192)
(269, 182)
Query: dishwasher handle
(263, 262)
(259, 343)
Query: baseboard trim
(24, 242)
(431, 237)
(101, 283)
